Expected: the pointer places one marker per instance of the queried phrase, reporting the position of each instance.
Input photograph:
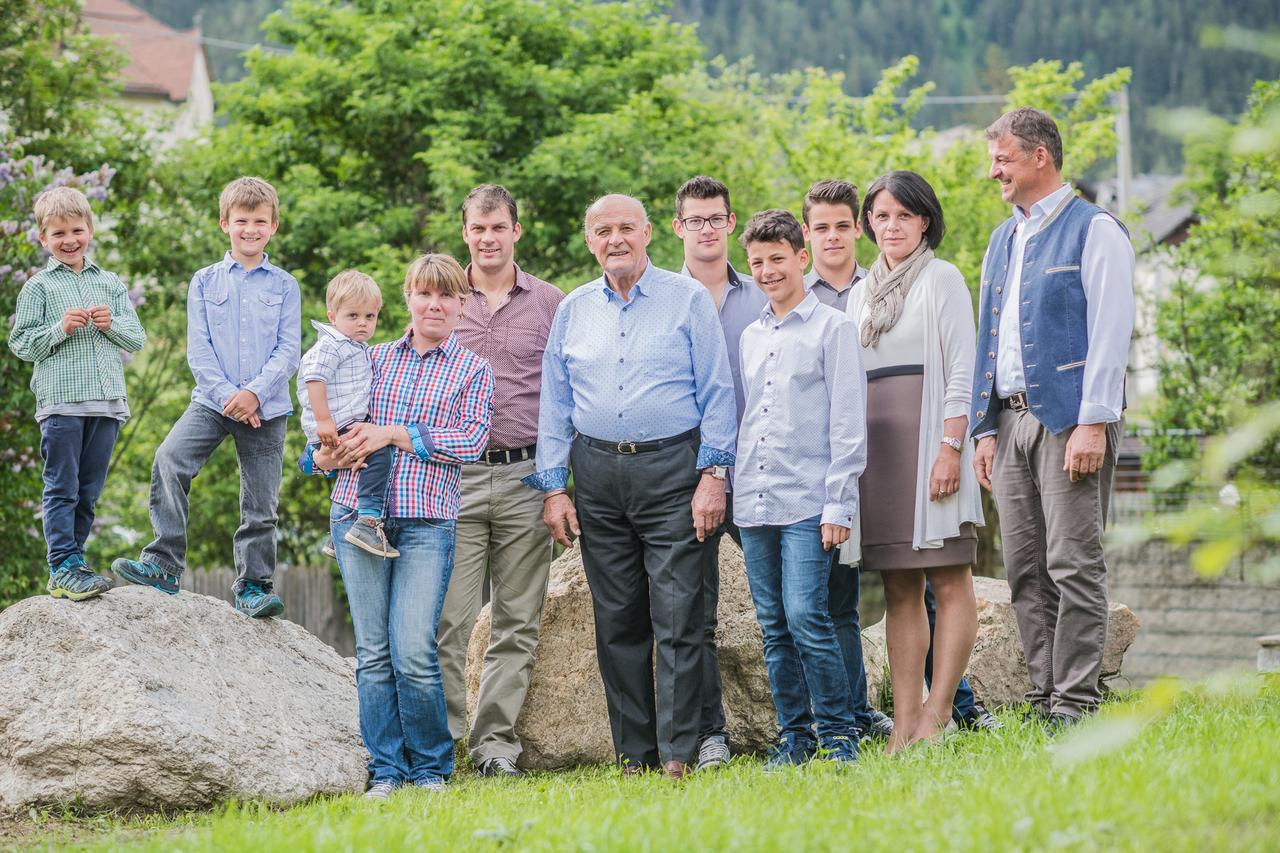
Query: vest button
(984, 395)
(995, 310)
(993, 333)
(990, 375)
(991, 355)
(982, 414)
(999, 290)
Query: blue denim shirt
(244, 331)
(651, 367)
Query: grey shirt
(743, 302)
(826, 292)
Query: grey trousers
(500, 529)
(644, 566)
(179, 459)
(1051, 530)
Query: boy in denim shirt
(333, 387)
(244, 335)
(72, 320)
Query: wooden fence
(310, 599)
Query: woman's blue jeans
(789, 573)
(395, 608)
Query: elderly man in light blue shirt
(638, 399)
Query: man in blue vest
(1055, 320)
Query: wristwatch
(952, 442)
(720, 472)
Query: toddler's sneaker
(72, 579)
(145, 574)
(368, 534)
(327, 548)
(255, 599)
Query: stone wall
(1191, 626)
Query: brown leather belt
(1017, 402)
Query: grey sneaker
(380, 789)
(881, 727)
(368, 534)
(500, 766)
(713, 753)
(327, 548)
(979, 719)
(73, 580)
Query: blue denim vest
(1055, 332)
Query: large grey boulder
(565, 721)
(142, 700)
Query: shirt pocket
(217, 304)
(666, 356)
(266, 309)
(525, 346)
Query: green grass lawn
(1174, 768)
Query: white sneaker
(380, 790)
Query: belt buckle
(1018, 402)
(626, 447)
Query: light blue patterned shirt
(651, 367)
(244, 330)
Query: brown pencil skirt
(888, 486)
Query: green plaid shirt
(85, 365)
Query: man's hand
(327, 432)
(561, 519)
(243, 407)
(833, 536)
(984, 458)
(74, 318)
(708, 506)
(100, 316)
(1085, 449)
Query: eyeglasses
(694, 223)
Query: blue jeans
(395, 609)
(843, 593)
(76, 451)
(789, 573)
(963, 704)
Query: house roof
(1162, 212)
(160, 58)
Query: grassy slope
(1204, 774)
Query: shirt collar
(812, 278)
(804, 310)
(522, 278)
(53, 263)
(736, 279)
(637, 289)
(1044, 206)
(229, 263)
(331, 331)
(448, 348)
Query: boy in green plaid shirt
(73, 319)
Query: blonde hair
(436, 272)
(62, 203)
(248, 193)
(351, 287)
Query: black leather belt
(506, 457)
(629, 447)
(1017, 402)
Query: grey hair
(595, 205)
(1032, 128)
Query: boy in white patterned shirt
(334, 378)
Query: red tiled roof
(160, 57)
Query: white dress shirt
(1106, 272)
(803, 441)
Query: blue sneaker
(253, 599)
(841, 749)
(145, 574)
(72, 579)
(789, 751)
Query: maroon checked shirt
(512, 339)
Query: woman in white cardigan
(919, 496)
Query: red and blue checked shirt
(445, 399)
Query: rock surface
(137, 700)
(565, 721)
(997, 669)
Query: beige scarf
(887, 291)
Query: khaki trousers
(1051, 529)
(500, 529)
